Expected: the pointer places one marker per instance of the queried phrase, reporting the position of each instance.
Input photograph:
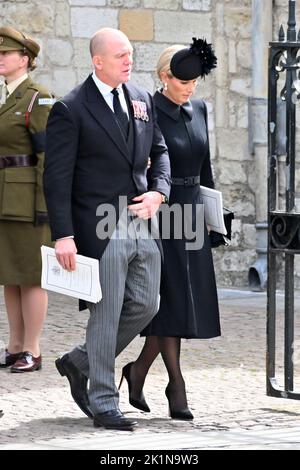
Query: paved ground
(225, 380)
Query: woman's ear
(25, 60)
(163, 76)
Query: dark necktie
(121, 115)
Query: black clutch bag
(218, 239)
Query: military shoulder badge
(46, 101)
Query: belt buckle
(187, 181)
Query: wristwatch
(164, 198)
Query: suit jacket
(88, 162)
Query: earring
(165, 86)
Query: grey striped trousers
(130, 281)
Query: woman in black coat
(189, 304)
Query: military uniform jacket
(21, 188)
(21, 191)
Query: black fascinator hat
(196, 61)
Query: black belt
(9, 161)
(187, 181)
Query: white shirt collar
(103, 87)
(105, 91)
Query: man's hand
(148, 204)
(65, 250)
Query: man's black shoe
(114, 419)
(78, 383)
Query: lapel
(13, 99)
(173, 111)
(100, 110)
(192, 126)
(138, 124)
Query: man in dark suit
(99, 139)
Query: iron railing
(284, 225)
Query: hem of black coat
(187, 336)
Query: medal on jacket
(140, 110)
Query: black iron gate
(284, 225)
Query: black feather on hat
(196, 61)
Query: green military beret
(13, 40)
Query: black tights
(169, 347)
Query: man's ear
(97, 61)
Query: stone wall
(63, 27)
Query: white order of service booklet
(213, 209)
(83, 283)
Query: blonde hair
(164, 60)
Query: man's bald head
(111, 53)
(102, 39)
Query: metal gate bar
(283, 226)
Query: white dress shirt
(105, 91)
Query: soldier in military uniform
(24, 109)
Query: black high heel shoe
(184, 414)
(139, 403)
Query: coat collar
(100, 110)
(133, 94)
(172, 109)
(12, 86)
(17, 94)
(105, 117)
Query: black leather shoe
(78, 383)
(114, 419)
(9, 359)
(139, 403)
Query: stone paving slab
(225, 379)
(238, 439)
